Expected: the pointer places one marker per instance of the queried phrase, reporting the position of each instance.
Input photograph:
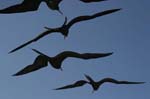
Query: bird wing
(89, 1)
(67, 54)
(111, 80)
(33, 40)
(26, 5)
(40, 53)
(89, 78)
(39, 63)
(76, 84)
(89, 17)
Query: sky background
(126, 33)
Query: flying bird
(89, 1)
(95, 85)
(56, 61)
(64, 29)
(30, 5)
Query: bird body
(56, 61)
(64, 29)
(95, 85)
(39, 62)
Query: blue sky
(126, 33)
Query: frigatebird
(64, 29)
(56, 61)
(31, 5)
(89, 1)
(95, 85)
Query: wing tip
(118, 9)
(108, 54)
(111, 53)
(17, 74)
(33, 49)
(11, 51)
(56, 89)
(37, 51)
(137, 82)
(141, 82)
(86, 75)
(114, 10)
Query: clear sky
(126, 33)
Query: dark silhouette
(96, 85)
(64, 29)
(30, 5)
(56, 61)
(40, 62)
(54, 5)
(89, 1)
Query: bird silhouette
(56, 61)
(64, 29)
(89, 1)
(95, 85)
(30, 5)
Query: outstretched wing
(33, 40)
(76, 84)
(25, 6)
(89, 1)
(39, 63)
(111, 80)
(66, 54)
(89, 17)
(89, 78)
